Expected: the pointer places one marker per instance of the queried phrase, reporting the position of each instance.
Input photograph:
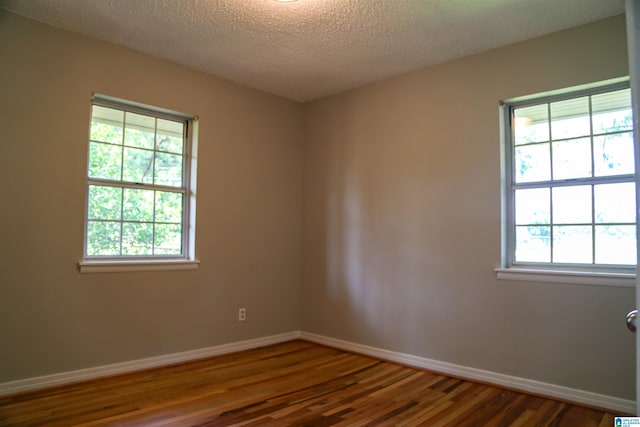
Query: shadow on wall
(383, 277)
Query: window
(139, 186)
(570, 181)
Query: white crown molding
(140, 364)
(610, 403)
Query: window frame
(184, 261)
(575, 273)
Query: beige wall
(402, 221)
(395, 187)
(53, 319)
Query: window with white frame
(570, 181)
(138, 183)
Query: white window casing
(568, 186)
(141, 182)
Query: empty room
(318, 212)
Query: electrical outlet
(242, 314)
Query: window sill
(621, 280)
(128, 266)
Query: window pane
(138, 205)
(533, 206)
(103, 238)
(572, 159)
(105, 202)
(137, 238)
(531, 124)
(612, 111)
(572, 244)
(570, 118)
(169, 169)
(616, 244)
(168, 239)
(105, 161)
(138, 165)
(133, 159)
(106, 124)
(613, 154)
(615, 203)
(168, 207)
(170, 136)
(140, 131)
(572, 205)
(532, 163)
(532, 244)
(572, 180)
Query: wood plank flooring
(295, 383)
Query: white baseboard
(613, 404)
(137, 365)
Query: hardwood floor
(291, 384)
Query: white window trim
(188, 260)
(93, 266)
(594, 276)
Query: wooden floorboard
(295, 383)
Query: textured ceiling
(307, 49)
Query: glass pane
(572, 159)
(168, 239)
(613, 154)
(105, 161)
(532, 244)
(572, 244)
(572, 205)
(531, 124)
(138, 205)
(532, 163)
(616, 244)
(106, 124)
(533, 206)
(615, 203)
(168, 207)
(169, 169)
(104, 202)
(103, 238)
(138, 166)
(140, 131)
(570, 118)
(612, 111)
(170, 136)
(137, 238)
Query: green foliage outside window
(136, 187)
